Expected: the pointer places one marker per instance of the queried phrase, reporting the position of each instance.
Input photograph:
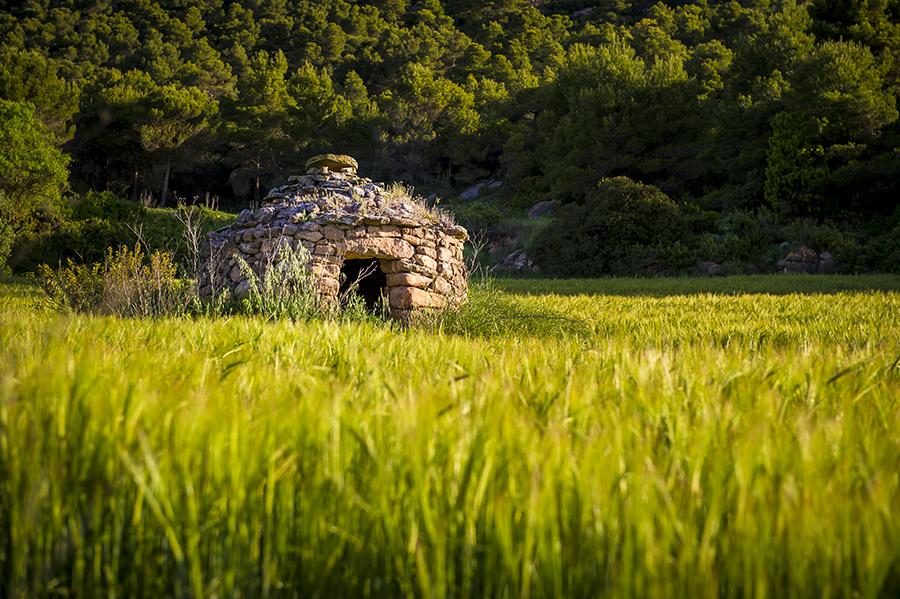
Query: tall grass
(131, 284)
(288, 289)
(701, 445)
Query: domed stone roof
(340, 218)
(345, 198)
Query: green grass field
(626, 438)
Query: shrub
(477, 215)
(621, 228)
(7, 236)
(163, 229)
(745, 241)
(851, 252)
(677, 256)
(100, 220)
(756, 231)
(33, 171)
(286, 288)
(84, 241)
(106, 205)
(77, 287)
(126, 283)
(887, 249)
(131, 283)
(797, 171)
(754, 242)
(885, 245)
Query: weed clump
(127, 283)
(288, 289)
(132, 283)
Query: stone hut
(359, 237)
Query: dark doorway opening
(365, 278)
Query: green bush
(33, 173)
(757, 231)
(162, 228)
(285, 290)
(754, 242)
(126, 283)
(850, 249)
(886, 250)
(100, 220)
(159, 228)
(106, 205)
(744, 240)
(7, 237)
(622, 228)
(82, 241)
(288, 289)
(76, 287)
(477, 215)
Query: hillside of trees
(754, 121)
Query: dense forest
(666, 133)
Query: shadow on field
(490, 312)
(736, 285)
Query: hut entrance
(365, 278)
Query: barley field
(736, 437)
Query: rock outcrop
(336, 217)
(806, 260)
(542, 209)
(517, 261)
(478, 189)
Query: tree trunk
(165, 186)
(134, 187)
(256, 190)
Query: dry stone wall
(331, 216)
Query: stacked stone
(336, 215)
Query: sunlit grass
(694, 443)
